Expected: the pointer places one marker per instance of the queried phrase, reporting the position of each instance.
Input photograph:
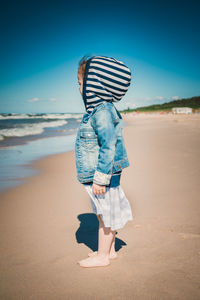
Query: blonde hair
(82, 64)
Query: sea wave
(62, 116)
(5, 116)
(29, 129)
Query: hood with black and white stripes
(105, 80)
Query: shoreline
(47, 223)
(16, 162)
(26, 154)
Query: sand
(47, 223)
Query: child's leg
(113, 254)
(106, 236)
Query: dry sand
(159, 251)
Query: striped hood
(105, 80)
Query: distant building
(182, 110)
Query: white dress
(113, 206)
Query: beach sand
(47, 223)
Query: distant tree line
(193, 102)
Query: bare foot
(112, 255)
(94, 261)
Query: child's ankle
(103, 255)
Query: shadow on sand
(87, 232)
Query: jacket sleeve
(106, 133)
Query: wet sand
(47, 224)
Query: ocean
(28, 137)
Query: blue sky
(42, 43)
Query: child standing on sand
(100, 150)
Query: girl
(100, 150)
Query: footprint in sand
(186, 236)
(137, 225)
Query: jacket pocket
(88, 139)
(88, 134)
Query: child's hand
(98, 189)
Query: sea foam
(29, 129)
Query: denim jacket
(99, 147)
